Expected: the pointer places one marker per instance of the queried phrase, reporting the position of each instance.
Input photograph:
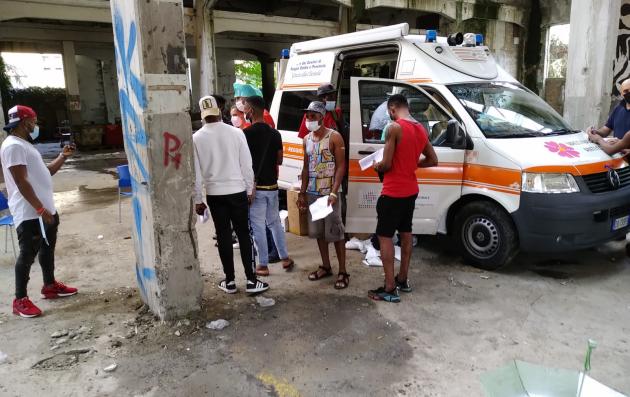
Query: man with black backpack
(265, 145)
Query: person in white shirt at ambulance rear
(30, 190)
(223, 165)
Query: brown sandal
(262, 271)
(344, 282)
(288, 266)
(314, 276)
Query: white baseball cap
(208, 106)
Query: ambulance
(512, 175)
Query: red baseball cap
(18, 113)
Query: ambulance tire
(486, 235)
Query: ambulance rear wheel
(486, 235)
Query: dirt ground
(315, 341)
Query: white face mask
(237, 121)
(330, 105)
(312, 125)
(240, 105)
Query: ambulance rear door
(439, 186)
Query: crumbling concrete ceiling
(326, 10)
(513, 11)
(555, 12)
(74, 10)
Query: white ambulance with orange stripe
(512, 173)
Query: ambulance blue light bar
(431, 36)
(479, 39)
(284, 54)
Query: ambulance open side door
(439, 186)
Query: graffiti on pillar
(621, 65)
(132, 95)
(172, 146)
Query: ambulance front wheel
(486, 235)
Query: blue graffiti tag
(143, 274)
(134, 133)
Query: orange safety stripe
(582, 169)
(492, 176)
(293, 151)
(303, 85)
(419, 80)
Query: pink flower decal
(562, 149)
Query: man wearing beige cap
(223, 165)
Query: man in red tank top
(406, 140)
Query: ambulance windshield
(507, 110)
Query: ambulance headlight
(548, 183)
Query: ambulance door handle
(366, 151)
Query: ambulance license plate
(620, 223)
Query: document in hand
(367, 161)
(204, 218)
(320, 208)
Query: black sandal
(344, 282)
(314, 276)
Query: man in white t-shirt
(223, 165)
(30, 194)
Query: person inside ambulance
(333, 118)
(242, 91)
(380, 118)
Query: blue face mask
(35, 133)
(330, 105)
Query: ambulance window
(375, 117)
(292, 108)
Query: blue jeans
(264, 212)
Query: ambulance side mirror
(455, 135)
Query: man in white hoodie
(223, 165)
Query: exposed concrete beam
(45, 32)
(65, 10)
(504, 13)
(225, 21)
(448, 8)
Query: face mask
(626, 97)
(237, 121)
(240, 106)
(35, 133)
(330, 105)
(312, 125)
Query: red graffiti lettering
(172, 144)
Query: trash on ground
(3, 358)
(178, 333)
(110, 368)
(217, 324)
(265, 302)
(100, 237)
(59, 334)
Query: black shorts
(394, 214)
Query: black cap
(326, 88)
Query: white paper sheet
(43, 230)
(320, 208)
(204, 218)
(367, 161)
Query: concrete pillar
(268, 77)
(594, 26)
(154, 103)
(72, 82)
(205, 77)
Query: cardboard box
(298, 221)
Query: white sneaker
(228, 288)
(256, 286)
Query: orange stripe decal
(582, 169)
